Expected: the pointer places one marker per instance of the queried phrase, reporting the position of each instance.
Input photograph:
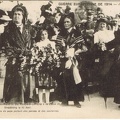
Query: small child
(46, 47)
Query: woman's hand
(83, 49)
(102, 46)
(112, 50)
(78, 51)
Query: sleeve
(111, 44)
(80, 46)
(59, 45)
(114, 42)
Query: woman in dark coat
(17, 42)
(70, 44)
(104, 55)
(114, 74)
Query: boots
(77, 104)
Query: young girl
(45, 54)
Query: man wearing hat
(88, 33)
(46, 9)
(67, 10)
(113, 80)
(17, 41)
(114, 23)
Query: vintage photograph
(60, 59)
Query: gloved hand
(70, 52)
(68, 64)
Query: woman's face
(67, 23)
(44, 35)
(102, 26)
(18, 17)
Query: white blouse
(104, 36)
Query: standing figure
(4, 20)
(70, 44)
(114, 75)
(43, 56)
(17, 42)
(88, 34)
(102, 54)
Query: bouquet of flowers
(44, 58)
(43, 61)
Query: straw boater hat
(5, 18)
(103, 20)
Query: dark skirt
(16, 85)
(12, 84)
(111, 84)
(46, 81)
(115, 76)
(105, 74)
(67, 89)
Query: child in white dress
(45, 80)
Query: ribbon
(76, 73)
(74, 63)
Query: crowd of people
(59, 54)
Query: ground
(92, 107)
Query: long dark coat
(113, 81)
(16, 44)
(67, 89)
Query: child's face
(44, 35)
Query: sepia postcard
(60, 59)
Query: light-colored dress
(44, 53)
(45, 43)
